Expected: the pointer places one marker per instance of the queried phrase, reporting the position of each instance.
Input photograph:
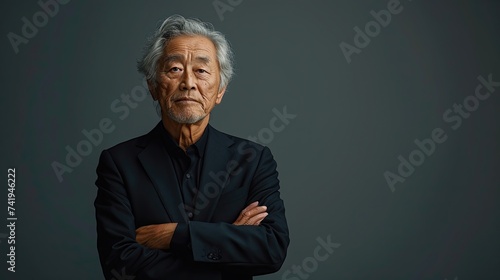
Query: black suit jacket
(137, 186)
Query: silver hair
(175, 26)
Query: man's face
(188, 79)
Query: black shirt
(187, 165)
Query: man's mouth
(186, 100)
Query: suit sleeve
(120, 255)
(252, 250)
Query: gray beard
(185, 119)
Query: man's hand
(156, 236)
(252, 215)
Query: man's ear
(152, 89)
(220, 95)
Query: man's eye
(202, 71)
(175, 69)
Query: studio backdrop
(383, 117)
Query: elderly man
(186, 201)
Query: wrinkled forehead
(197, 48)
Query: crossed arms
(159, 236)
(255, 243)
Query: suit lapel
(214, 176)
(158, 165)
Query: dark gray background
(353, 121)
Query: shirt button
(190, 215)
(188, 175)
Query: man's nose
(188, 82)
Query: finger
(245, 217)
(250, 206)
(255, 211)
(255, 220)
(250, 211)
